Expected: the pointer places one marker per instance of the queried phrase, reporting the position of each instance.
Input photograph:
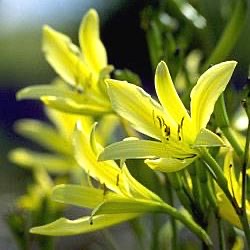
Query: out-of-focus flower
(82, 69)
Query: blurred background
(22, 63)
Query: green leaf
(43, 134)
(53, 163)
(64, 226)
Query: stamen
(167, 131)
(231, 180)
(117, 179)
(104, 190)
(160, 120)
(180, 130)
(153, 114)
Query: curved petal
(207, 138)
(106, 172)
(63, 56)
(131, 149)
(170, 164)
(77, 195)
(206, 92)
(65, 227)
(93, 50)
(136, 189)
(168, 96)
(135, 105)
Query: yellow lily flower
(57, 140)
(179, 135)
(226, 209)
(123, 197)
(82, 69)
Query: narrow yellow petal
(135, 105)
(63, 56)
(206, 138)
(105, 172)
(168, 96)
(206, 92)
(136, 189)
(93, 50)
(64, 226)
(170, 164)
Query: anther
(104, 189)
(117, 179)
(160, 121)
(178, 132)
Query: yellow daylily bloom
(226, 210)
(82, 69)
(123, 198)
(77, 66)
(57, 140)
(179, 135)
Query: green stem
(139, 231)
(218, 176)
(109, 239)
(221, 234)
(197, 193)
(189, 222)
(230, 34)
(222, 121)
(174, 241)
(207, 190)
(222, 182)
(176, 183)
(244, 219)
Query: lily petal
(63, 226)
(135, 105)
(105, 172)
(207, 90)
(136, 189)
(168, 96)
(170, 164)
(77, 195)
(93, 50)
(130, 149)
(43, 134)
(207, 138)
(63, 56)
(52, 163)
(119, 205)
